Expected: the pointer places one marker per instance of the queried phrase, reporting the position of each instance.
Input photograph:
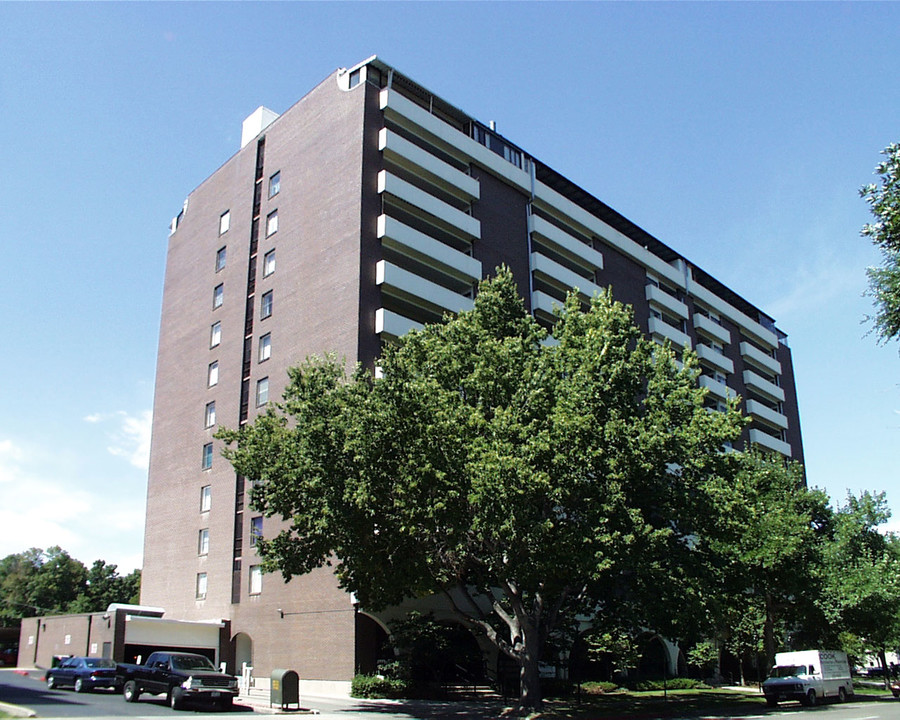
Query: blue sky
(737, 133)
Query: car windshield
(191, 662)
(780, 671)
(99, 663)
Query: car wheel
(226, 703)
(51, 682)
(79, 685)
(810, 699)
(176, 698)
(842, 695)
(771, 702)
(130, 691)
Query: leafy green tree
(884, 281)
(17, 574)
(773, 554)
(863, 574)
(59, 580)
(106, 586)
(521, 479)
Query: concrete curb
(17, 710)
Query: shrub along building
(371, 207)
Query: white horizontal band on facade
(758, 437)
(425, 249)
(399, 188)
(405, 153)
(417, 290)
(757, 409)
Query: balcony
(560, 277)
(569, 247)
(710, 328)
(663, 299)
(543, 304)
(418, 291)
(428, 251)
(763, 386)
(660, 330)
(713, 357)
(767, 414)
(448, 217)
(402, 152)
(391, 325)
(758, 437)
(720, 390)
(758, 357)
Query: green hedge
(378, 686)
(679, 683)
(599, 687)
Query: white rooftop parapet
(257, 121)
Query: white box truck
(809, 676)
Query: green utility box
(285, 689)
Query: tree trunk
(529, 681)
(769, 632)
(884, 668)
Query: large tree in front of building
(884, 232)
(521, 478)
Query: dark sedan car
(83, 674)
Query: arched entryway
(372, 644)
(242, 644)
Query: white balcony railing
(711, 328)
(763, 386)
(757, 356)
(713, 357)
(661, 298)
(660, 329)
(767, 414)
(759, 437)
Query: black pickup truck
(182, 677)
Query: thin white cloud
(130, 439)
(45, 500)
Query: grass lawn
(677, 703)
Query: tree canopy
(39, 582)
(884, 281)
(524, 478)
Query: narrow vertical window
(268, 263)
(206, 462)
(265, 347)
(275, 184)
(212, 374)
(262, 392)
(220, 259)
(218, 295)
(201, 586)
(256, 525)
(272, 223)
(255, 579)
(203, 542)
(205, 498)
(224, 222)
(265, 305)
(215, 334)
(209, 416)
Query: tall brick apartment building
(368, 208)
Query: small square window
(218, 296)
(201, 586)
(212, 374)
(255, 529)
(209, 417)
(215, 334)
(268, 263)
(206, 496)
(224, 222)
(220, 259)
(203, 542)
(265, 347)
(265, 305)
(272, 223)
(255, 579)
(206, 462)
(262, 392)
(275, 184)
